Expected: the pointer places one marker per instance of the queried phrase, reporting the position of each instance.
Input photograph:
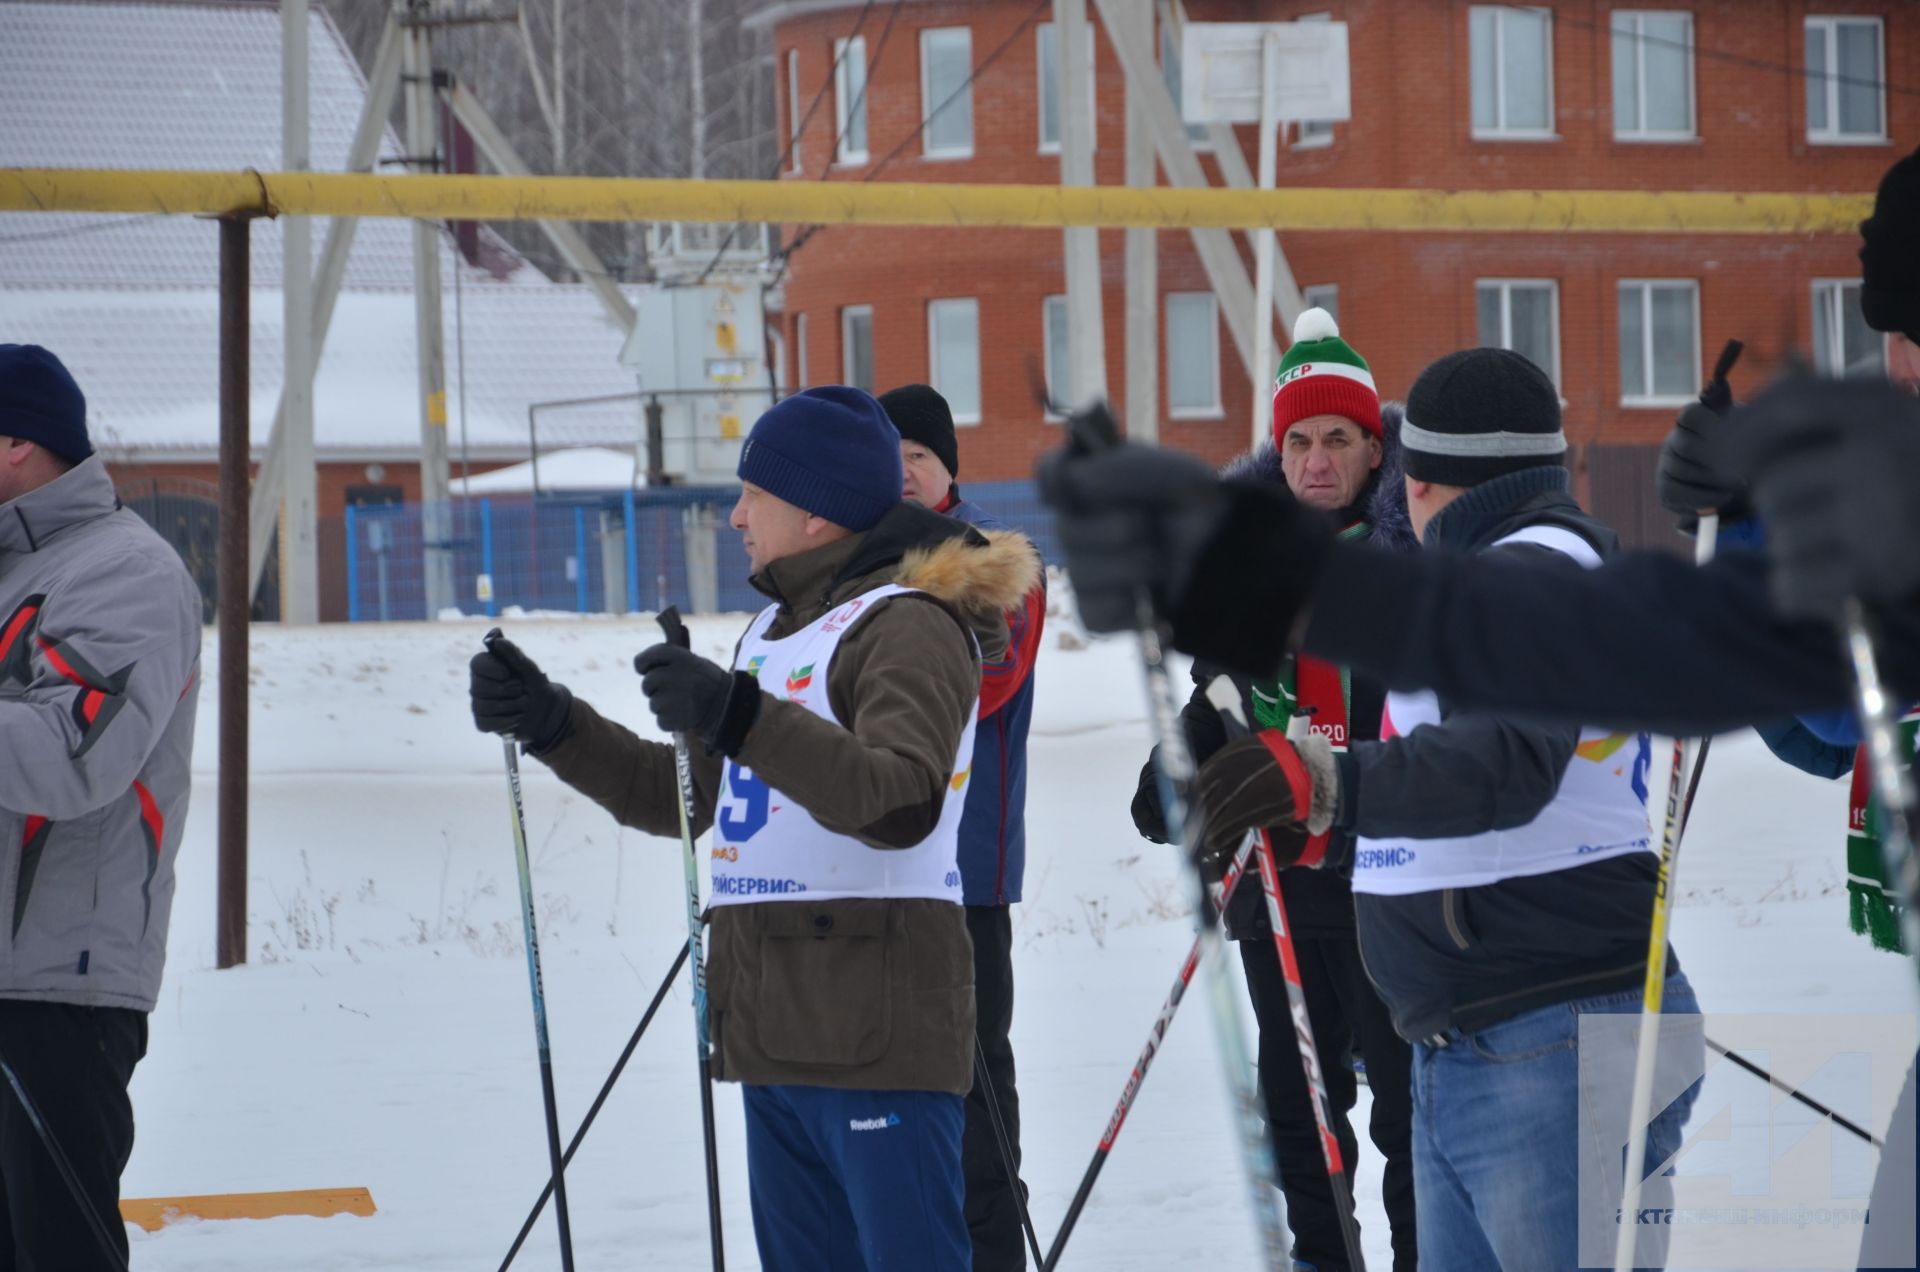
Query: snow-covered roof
(185, 86)
(579, 468)
(148, 363)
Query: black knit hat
(923, 416)
(1478, 414)
(1890, 252)
(39, 402)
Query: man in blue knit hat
(836, 755)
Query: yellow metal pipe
(480, 198)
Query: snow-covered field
(381, 1033)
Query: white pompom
(1315, 324)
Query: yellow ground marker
(155, 1213)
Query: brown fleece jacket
(866, 993)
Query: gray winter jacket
(99, 673)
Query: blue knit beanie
(830, 450)
(39, 402)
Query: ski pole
(1094, 429)
(1653, 993)
(1006, 1145)
(1226, 700)
(519, 817)
(676, 632)
(64, 1165)
(1138, 1076)
(593, 1111)
(1795, 1093)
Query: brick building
(1446, 95)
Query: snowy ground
(381, 1035)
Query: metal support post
(235, 597)
(1086, 326)
(436, 507)
(1142, 257)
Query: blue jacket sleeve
(1794, 743)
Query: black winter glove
(1148, 817)
(696, 696)
(512, 696)
(1692, 475)
(1264, 782)
(1136, 517)
(1834, 465)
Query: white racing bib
(1600, 810)
(766, 847)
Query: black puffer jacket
(1319, 902)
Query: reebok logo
(873, 1123)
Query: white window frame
(844, 96)
(1831, 24)
(1500, 131)
(1198, 135)
(1832, 291)
(777, 340)
(927, 149)
(1040, 64)
(1647, 287)
(1315, 297)
(799, 352)
(1312, 134)
(1644, 133)
(793, 111)
(933, 359)
(847, 314)
(1506, 286)
(1216, 411)
(1046, 354)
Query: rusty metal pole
(234, 599)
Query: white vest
(1600, 810)
(766, 847)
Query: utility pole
(436, 509)
(299, 527)
(1086, 326)
(1142, 260)
(697, 70)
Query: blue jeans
(856, 1181)
(1502, 1126)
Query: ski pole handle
(675, 628)
(1718, 395)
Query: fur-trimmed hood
(977, 574)
(1384, 496)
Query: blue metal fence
(622, 551)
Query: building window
(1056, 354)
(800, 380)
(1049, 66)
(1846, 93)
(1313, 134)
(1659, 342)
(1193, 355)
(1170, 72)
(1652, 76)
(953, 355)
(1325, 296)
(1511, 51)
(777, 341)
(793, 110)
(1521, 314)
(856, 346)
(1843, 345)
(946, 92)
(850, 99)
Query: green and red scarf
(1873, 906)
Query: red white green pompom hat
(1322, 375)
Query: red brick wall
(1404, 298)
